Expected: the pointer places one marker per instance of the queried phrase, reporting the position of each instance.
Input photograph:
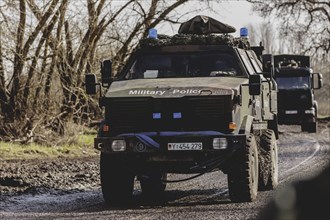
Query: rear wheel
(310, 127)
(116, 181)
(268, 163)
(243, 177)
(152, 184)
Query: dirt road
(69, 189)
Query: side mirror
(267, 62)
(255, 84)
(106, 72)
(91, 84)
(317, 80)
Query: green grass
(82, 146)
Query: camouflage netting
(195, 39)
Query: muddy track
(70, 189)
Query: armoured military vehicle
(191, 103)
(296, 83)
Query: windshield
(184, 65)
(300, 82)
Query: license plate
(185, 146)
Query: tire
(313, 126)
(243, 177)
(310, 127)
(152, 185)
(273, 125)
(268, 161)
(117, 181)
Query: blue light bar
(156, 115)
(177, 115)
(152, 33)
(244, 32)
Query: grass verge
(82, 146)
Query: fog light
(118, 145)
(220, 143)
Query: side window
(246, 61)
(254, 62)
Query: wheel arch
(246, 125)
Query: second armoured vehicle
(296, 83)
(192, 103)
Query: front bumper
(295, 116)
(145, 156)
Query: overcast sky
(235, 13)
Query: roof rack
(200, 30)
(201, 24)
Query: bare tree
(3, 92)
(305, 21)
(53, 44)
(264, 33)
(21, 53)
(146, 20)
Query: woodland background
(47, 46)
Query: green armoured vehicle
(192, 103)
(296, 83)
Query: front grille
(294, 99)
(207, 108)
(127, 114)
(175, 114)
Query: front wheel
(117, 181)
(243, 177)
(268, 167)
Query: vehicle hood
(176, 87)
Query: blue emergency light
(156, 115)
(244, 32)
(177, 115)
(152, 33)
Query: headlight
(220, 143)
(291, 112)
(118, 145)
(310, 111)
